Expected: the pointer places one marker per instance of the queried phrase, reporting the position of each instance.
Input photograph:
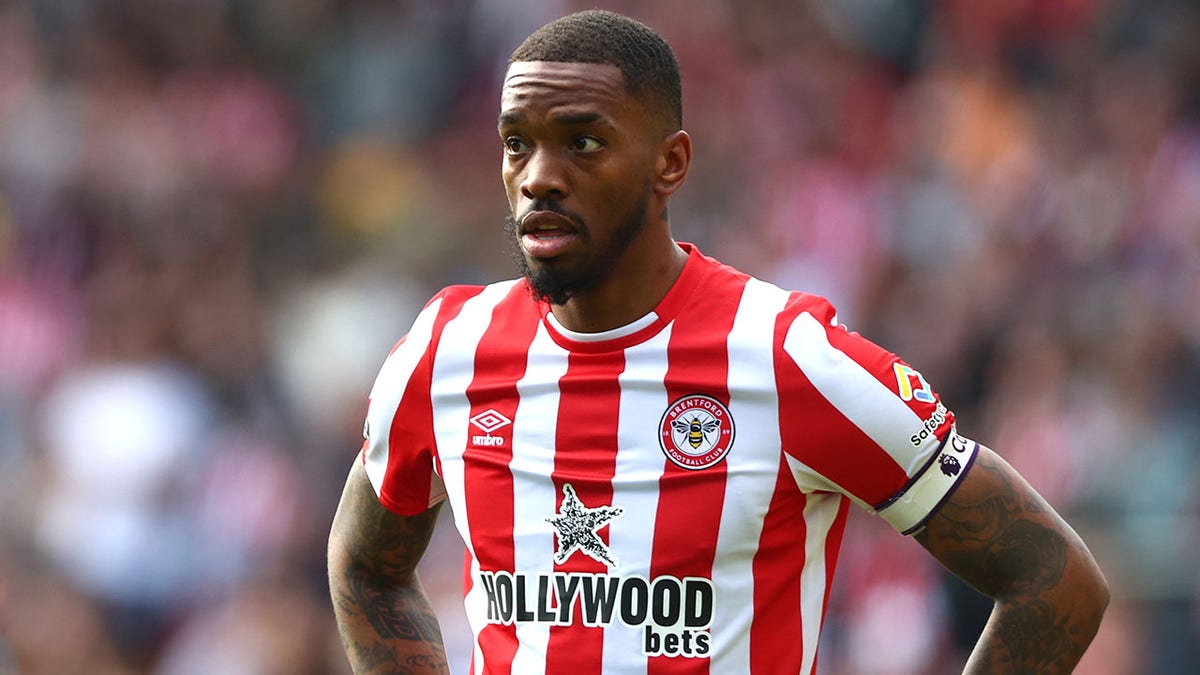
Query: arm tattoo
(377, 590)
(1032, 630)
(1039, 551)
(392, 614)
(1001, 538)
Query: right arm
(386, 623)
(997, 534)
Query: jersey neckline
(638, 330)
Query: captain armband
(929, 489)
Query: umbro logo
(488, 421)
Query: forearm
(386, 627)
(1037, 634)
(386, 623)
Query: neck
(635, 285)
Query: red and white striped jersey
(666, 497)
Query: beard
(556, 282)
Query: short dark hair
(644, 58)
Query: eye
(514, 145)
(586, 144)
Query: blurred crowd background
(217, 216)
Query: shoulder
(459, 294)
(722, 277)
(449, 304)
(451, 312)
(452, 300)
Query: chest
(622, 450)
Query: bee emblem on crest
(696, 429)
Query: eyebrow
(577, 118)
(568, 119)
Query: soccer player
(649, 455)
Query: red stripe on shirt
(412, 447)
(777, 593)
(831, 444)
(500, 361)
(694, 358)
(586, 443)
(833, 545)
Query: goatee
(553, 280)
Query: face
(579, 157)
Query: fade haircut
(644, 58)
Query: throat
(624, 298)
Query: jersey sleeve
(857, 419)
(399, 448)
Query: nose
(544, 176)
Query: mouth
(545, 222)
(546, 234)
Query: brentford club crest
(696, 432)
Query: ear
(675, 156)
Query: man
(650, 456)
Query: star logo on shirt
(577, 527)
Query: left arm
(998, 535)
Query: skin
(385, 620)
(997, 534)
(575, 139)
(583, 159)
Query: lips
(545, 234)
(545, 221)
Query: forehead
(554, 87)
